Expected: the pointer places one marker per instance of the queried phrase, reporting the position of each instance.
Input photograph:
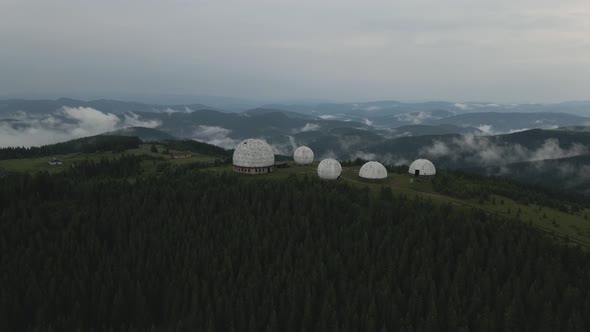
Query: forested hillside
(571, 173)
(187, 248)
(472, 186)
(144, 134)
(83, 145)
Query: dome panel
(373, 170)
(253, 153)
(422, 167)
(303, 155)
(329, 169)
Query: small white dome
(329, 169)
(303, 155)
(253, 153)
(373, 170)
(422, 167)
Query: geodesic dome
(303, 155)
(422, 167)
(329, 169)
(373, 170)
(253, 153)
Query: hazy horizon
(169, 99)
(272, 51)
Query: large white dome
(253, 153)
(373, 170)
(422, 167)
(329, 169)
(303, 155)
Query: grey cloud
(367, 122)
(415, 118)
(486, 129)
(364, 155)
(502, 50)
(437, 149)
(328, 154)
(215, 135)
(480, 150)
(65, 124)
(551, 150)
(310, 127)
(285, 148)
(132, 119)
(171, 111)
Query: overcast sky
(456, 50)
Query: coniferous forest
(80, 145)
(102, 247)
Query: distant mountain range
(510, 122)
(484, 154)
(10, 107)
(487, 117)
(515, 139)
(389, 130)
(547, 144)
(391, 107)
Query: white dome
(422, 167)
(253, 153)
(303, 155)
(373, 170)
(329, 169)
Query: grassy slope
(40, 164)
(555, 222)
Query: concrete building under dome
(422, 168)
(373, 170)
(329, 169)
(303, 155)
(253, 156)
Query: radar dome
(329, 169)
(303, 155)
(373, 170)
(422, 167)
(253, 156)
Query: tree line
(91, 144)
(472, 186)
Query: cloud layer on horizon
(65, 124)
(482, 151)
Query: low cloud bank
(171, 111)
(487, 129)
(65, 124)
(310, 127)
(364, 155)
(215, 135)
(285, 148)
(485, 152)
